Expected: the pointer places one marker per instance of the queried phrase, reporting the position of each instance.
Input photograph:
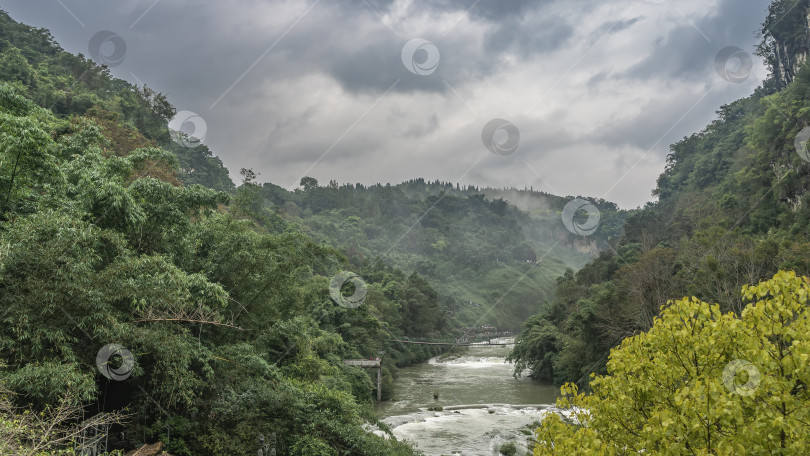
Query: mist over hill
(491, 261)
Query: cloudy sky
(592, 92)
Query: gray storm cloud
(598, 90)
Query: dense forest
(119, 243)
(492, 254)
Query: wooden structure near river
(369, 363)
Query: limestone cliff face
(786, 39)
(789, 58)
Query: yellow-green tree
(700, 382)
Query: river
(493, 404)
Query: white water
(482, 405)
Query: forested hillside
(476, 246)
(732, 209)
(130, 117)
(137, 293)
(492, 254)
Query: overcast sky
(383, 91)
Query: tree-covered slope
(732, 209)
(493, 254)
(66, 84)
(130, 294)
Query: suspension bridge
(493, 342)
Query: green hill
(491, 261)
(139, 294)
(733, 209)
